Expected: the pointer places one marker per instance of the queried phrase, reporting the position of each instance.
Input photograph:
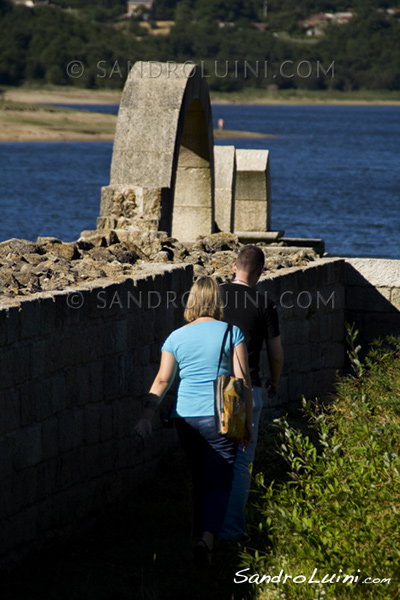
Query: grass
(293, 96)
(338, 510)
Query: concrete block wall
(373, 297)
(311, 307)
(74, 369)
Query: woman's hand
(144, 428)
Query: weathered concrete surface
(164, 141)
(253, 191)
(225, 182)
(373, 297)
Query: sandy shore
(69, 96)
(33, 123)
(82, 96)
(24, 115)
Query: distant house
(394, 12)
(33, 3)
(134, 6)
(341, 18)
(315, 24)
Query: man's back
(257, 317)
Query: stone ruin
(166, 174)
(172, 197)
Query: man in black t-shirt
(257, 317)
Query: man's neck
(242, 279)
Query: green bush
(338, 513)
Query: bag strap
(223, 347)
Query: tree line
(90, 44)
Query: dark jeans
(211, 458)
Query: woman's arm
(241, 369)
(161, 384)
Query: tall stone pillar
(225, 180)
(253, 191)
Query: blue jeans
(233, 526)
(211, 458)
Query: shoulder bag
(230, 406)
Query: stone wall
(75, 366)
(373, 297)
(311, 307)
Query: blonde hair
(204, 300)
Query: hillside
(308, 45)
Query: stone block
(379, 325)
(373, 271)
(42, 398)
(37, 351)
(96, 381)
(7, 502)
(112, 378)
(106, 423)
(66, 430)
(50, 438)
(335, 356)
(251, 215)
(78, 428)
(368, 299)
(92, 416)
(252, 191)
(194, 151)
(338, 327)
(25, 487)
(395, 298)
(10, 411)
(190, 222)
(225, 182)
(193, 189)
(10, 323)
(331, 298)
(144, 169)
(6, 460)
(115, 334)
(138, 129)
(106, 222)
(29, 318)
(14, 365)
(27, 447)
(59, 392)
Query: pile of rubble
(50, 264)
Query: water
(334, 175)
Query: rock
(104, 238)
(123, 253)
(44, 240)
(34, 259)
(161, 256)
(67, 250)
(51, 264)
(216, 242)
(16, 247)
(99, 253)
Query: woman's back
(196, 348)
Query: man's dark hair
(250, 259)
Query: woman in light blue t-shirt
(194, 350)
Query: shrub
(338, 513)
